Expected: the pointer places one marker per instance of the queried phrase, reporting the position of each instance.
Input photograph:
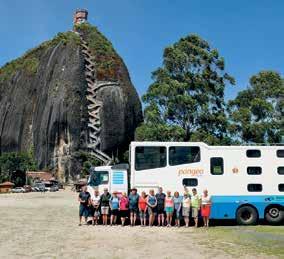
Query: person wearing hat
(133, 205)
(105, 205)
(114, 208)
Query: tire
(246, 215)
(274, 215)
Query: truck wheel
(274, 215)
(246, 215)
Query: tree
(14, 165)
(186, 100)
(256, 114)
(86, 162)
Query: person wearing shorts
(195, 206)
(186, 208)
(114, 208)
(133, 206)
(152, 204)
(105, 205)
(84, 208)
(177, 208)
(123, 208)
(160, 196)
(96, 207)
(169, 208)
(142, 205)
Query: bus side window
(180, 155)
(280, 170)
(217, 165)
(254, 170)
(253, 153)
(254, 187)
(280, 153)
(189, 182)
(148, 157)
(281, 187)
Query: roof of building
(6, 184)
(46, 176)
(81, 10)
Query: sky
(247, 33)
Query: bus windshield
(98, 177)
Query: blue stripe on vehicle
(225, 207)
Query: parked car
(28, 188)
(54, 188)
(60, 186)
(40, 187)
(18, 190)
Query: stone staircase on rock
(94, 105)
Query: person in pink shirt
(123, 208)
(169, 208)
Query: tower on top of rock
(80, 16)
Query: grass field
(45, 225)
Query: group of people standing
(167, 209)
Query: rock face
(43, 103)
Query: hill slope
(43, 102)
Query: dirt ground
(45, 225)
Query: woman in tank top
(169, 208)
(152, 204)
(142, 205)
(177, 208)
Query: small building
(39, 176)
(80, 16)
(78, 185)
(6, 187)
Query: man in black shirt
(84, 208)
(160, 196)
(105, 197)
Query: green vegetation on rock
(107, 60)
(86, 161)
(29, 62)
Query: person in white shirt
(186, 208)
(95, 200)
(205, 207)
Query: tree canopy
(185, 102)
(14, 165)
(257, 113)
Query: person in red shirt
(142, 204)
